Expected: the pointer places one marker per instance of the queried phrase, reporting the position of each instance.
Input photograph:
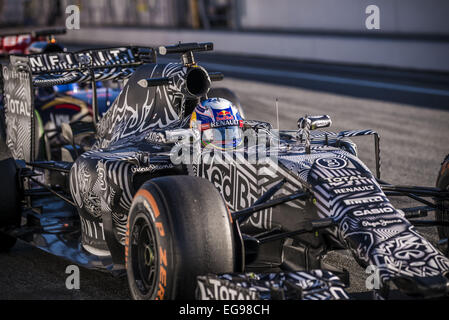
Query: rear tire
(178, 228)
(9, 190)
(9, 202)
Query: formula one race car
(30, 42)
(175, 188)
(60, 103)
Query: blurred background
(413, 33)
(398, 16)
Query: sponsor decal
(231, 182)
(17, 91)
(240, 185)
(354, 189)
(224, 115)
(19, 107)
(152, 168)
(162, 272)
(364, 200)
(226, 123)
(216, 289)
(367, 212)
(69, 60)
(332, 163)
(381, 222)
(348, 180)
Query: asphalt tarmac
(409, 109)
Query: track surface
(409, 110)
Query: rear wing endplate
(18, 100)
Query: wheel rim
(144, 256)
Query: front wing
(298, 285)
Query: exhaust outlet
(197, 83)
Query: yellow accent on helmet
(192, 119)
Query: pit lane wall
(385, 51)
(404, 17)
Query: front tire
(178, 228)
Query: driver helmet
(219, 122)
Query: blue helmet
(220, 123)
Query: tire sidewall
(149, 205)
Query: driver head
(220, 123)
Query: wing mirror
(314, 122)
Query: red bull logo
(224, 115)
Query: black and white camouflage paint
(299, 285)
(19, 108)
(101, 179)
(368, 224)
(137, 110)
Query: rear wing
(24, 73)
(100, 64)
(96, 58)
